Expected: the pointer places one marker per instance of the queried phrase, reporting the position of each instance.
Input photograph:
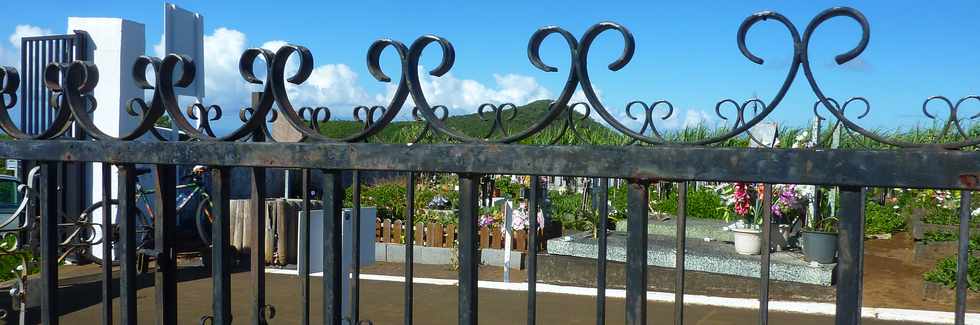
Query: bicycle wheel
(144, 233)
(203, 219)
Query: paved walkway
(382, 302)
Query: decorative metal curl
(137, 107)
(9, 84)
(740, 126)
(837, 125)
(202, 113)
(308, 133)
(569, 124)
(247, 114)
(648, 116)
(314, 116)
(426, 130)
(498, 119)
(365, 115)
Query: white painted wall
(114, 44)
(368, 216)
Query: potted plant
(820, 241)
(746, 234)
(787, 208)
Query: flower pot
(819, 246)
(747, 241)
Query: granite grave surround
(711, 257)
(697, 228)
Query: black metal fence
(946, 165)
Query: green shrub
(389, 197)
(10, 262)
(701, 203)
(507, 188)
(882, 219)
(945, 273)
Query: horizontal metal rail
(903, 168)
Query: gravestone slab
(697, 228)
(712, 257)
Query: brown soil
(892, 280)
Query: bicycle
(195, 194)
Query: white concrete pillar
(114, 44)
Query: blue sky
(686, 51)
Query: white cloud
(22, 31)
(691, 118)
(463, 96)
(11, 56)
(158, 48)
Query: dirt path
(382, 302)
(892, 280)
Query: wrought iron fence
(941, 165)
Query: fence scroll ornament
(73, 82)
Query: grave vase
(747, 241)
(819, 246)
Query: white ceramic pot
(748, 241)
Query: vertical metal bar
(221, 259)
(107, 244)
(258, 239)
(43, 95)
(25, 53)
(532, 250)
(355, 292)
(636, 251)
(680, 252)
(49, 243)
(333, 204)
(304, 252)
(409, 246)
(601, 261)
(32, 86)
(469, 258)
(850, 261)
(165, 227)
(962, 258)
(127, 225)
(764, 276)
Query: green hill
(471, 125)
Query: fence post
(127, 225)
(636, 251)
(850, 264)
(221, 258)
(258, 232)
(165, 226)
(469, 258)
(333, 204)
(49, 243)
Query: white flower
(975, 213)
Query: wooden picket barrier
(438, 235)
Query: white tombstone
(764, 135)
(508, 237)
(368, 217)
(114, 44)
(184, 34)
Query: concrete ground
(382, 303)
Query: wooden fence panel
(451, 235)
(484, 237)
(386, 231)
(437, 235)
(397, 232)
